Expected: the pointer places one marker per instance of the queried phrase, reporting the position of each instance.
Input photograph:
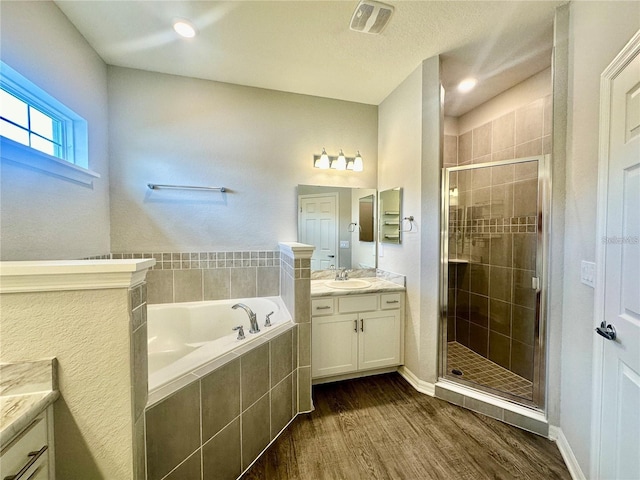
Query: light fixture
(322, 161)
(467, 85)
(341, 162)
(357, 164)
(184, 28)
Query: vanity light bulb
(323, 163)
(341, 162)
(357, 163)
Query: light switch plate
(344, 243)
(588, 273)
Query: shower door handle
(535, 283)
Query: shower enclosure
(494, 227)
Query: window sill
(21, 154)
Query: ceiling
(307, 47)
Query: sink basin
(353, 283)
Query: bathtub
(185, 336)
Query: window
(39, 131)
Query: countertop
(378, 285)
(26, 390)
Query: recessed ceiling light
(467, 85)
(184, 28)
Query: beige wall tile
(243, 282)
(529, 122)
(503, 133)
(188, 285)
(482, 141)
(506, 154)
(268, 283)
(450, 156)
(216, 283)
(529, 149)
(160, 286)
(465, 147)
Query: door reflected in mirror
(390, 215)
(341, 224)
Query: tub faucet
(252, 317)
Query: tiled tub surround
(197, 276)
(215, 423)
(183, 337)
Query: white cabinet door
(379, 339)
(334, 345)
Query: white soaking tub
(185, 336)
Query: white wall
(399, 165)
(598, 31)
(258, 143)
(42, 216)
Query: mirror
(341, 223)
(366, 217)
(390, 215)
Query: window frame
(74, 132)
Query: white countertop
(26, 390)
(319, 288)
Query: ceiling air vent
(371, 17)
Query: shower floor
(475, 368)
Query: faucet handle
(240, 330)
(267, 322)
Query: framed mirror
(390, 215)
(330, 218)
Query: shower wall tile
(479, 279)
(525, 195)
(502, 174)
(479, 310)
(480, 178)
(526, 171)
(500, 283)
(187, 285)
(524, 323)
(529, 121)
(522, 360)
(529, 149)
(481, 140)
(500, 317)
(462, 331)
(478, 339)
(501, 250)
(524, 251)
(499, 349)
(503, 133)
(450, 154)
(483, 159)
(506, 154)
(523, 294)
(465, 147)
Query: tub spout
(252, 317)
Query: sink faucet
(252, 317)
(342, 274)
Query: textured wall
(88, 332)
(598, 31)
(258, 143)
(42, 216)
(400, 150)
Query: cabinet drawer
(357, 303)
(390, 301)
(322, 306)
(29, 447)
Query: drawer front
(322, 306)
(357, 303)
(390, 301)
(16, 455)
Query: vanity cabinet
(30, 454)
(354, 333)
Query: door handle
(331, 256)
(606, 331)
(362, 325)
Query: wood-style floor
(381, 428)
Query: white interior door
(617, 394)
(318, 226)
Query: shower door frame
(538, 401)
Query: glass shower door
(493, 273)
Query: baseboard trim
(420, 385)
(556, 434)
